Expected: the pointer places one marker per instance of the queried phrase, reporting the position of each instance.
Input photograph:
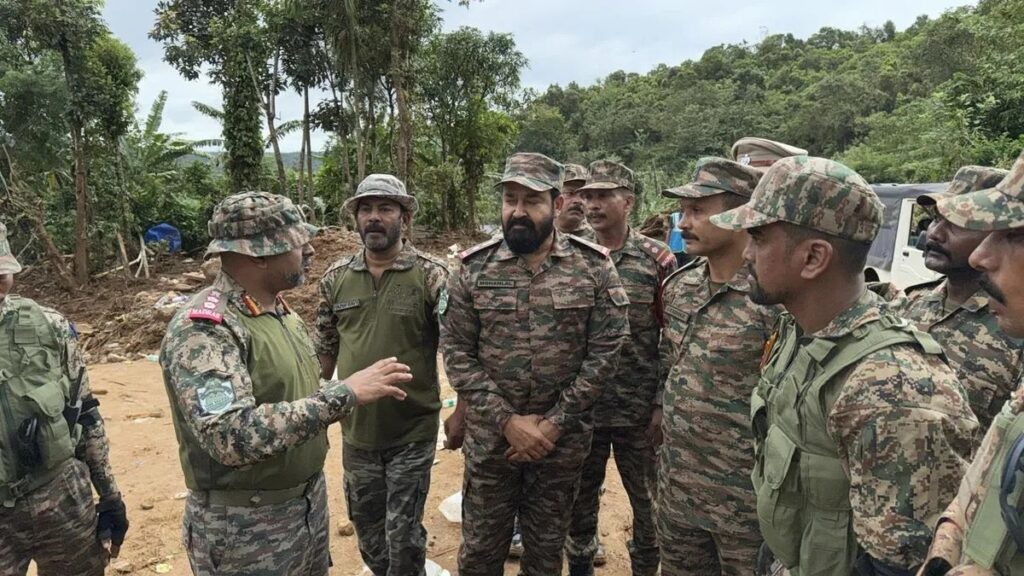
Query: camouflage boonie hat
(717, 175)
(967, 179)
(382, 186)
(258, 224)
(8, 263)
(608, 175)
(998, 208)
(762, 152)
(535, 171)
(814, 193)
(574, 172)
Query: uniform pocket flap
(495, 299)
(639, 294)
(49, 398)
(778, 455)
(573, 298)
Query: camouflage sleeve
(664, 359)
(93, 447)
(437, 282)
(904, 430)
(200, 357)
(326, 339)
(460, 330)
(607, 329)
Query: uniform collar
(867, 308)
(975, 303)
(701, 275)
(560, 249)
(633, 244)
(404, 261)
(245, 303)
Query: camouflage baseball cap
(717, 175)
(8, 263)
(608, 175)
(535, 171)
(382, 186)
(258, 224)
(998, 208)
(967, 179)
(762, 152)
(814, 193)
(574, 172)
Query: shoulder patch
(685, 268)
(208, 306)
(592, 245)
(432, 259)
(924, 285)
(481, 246)
(339, 263)
(659, 251)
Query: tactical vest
(802, 489)
(32, 384)
(987, 542)
(283, 368)
(378, 321)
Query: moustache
(375, 228)
(689, 236)
(932, 246)
(521, 221)
(574, 208)
(988, 286)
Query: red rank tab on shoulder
(208, 309)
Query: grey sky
(564, 40)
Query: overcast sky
(564, 40)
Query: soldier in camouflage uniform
(955, 309)
(379, 302)
(980, 531)
(53, 445)
(249, 408)
(570, 210)
(711, 348)
(531, 336)
(623, 412)
(861, 430)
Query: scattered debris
(451, 508)
(345, 528)
(141, 415)
(146, 506)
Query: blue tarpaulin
(166, 232)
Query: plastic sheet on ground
(451, 508)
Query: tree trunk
(267, 103)
(398, 71)
(300, 196)
(306, 137)
(81, 205)
(473, 177)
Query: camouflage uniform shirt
(584, 230)
(642, 264)
(904, 431)
(519, 342)
(93, 447)
(987, 362)
(711, 346)
(199, 353)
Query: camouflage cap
(608, 175)
(761, 152)
(717, 175)
(967, 179)
(258, 224)
(574, 172)
(535, 171)
(382, 186)
(998, 208)
(814, 193)
(8, 263)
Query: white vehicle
(895, 256)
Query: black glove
(112, 521)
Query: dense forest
(84, 166)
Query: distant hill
(291, 159)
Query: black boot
(581, 569)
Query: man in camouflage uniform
(531, 336)
(623, 412)
(955, 309)
(249, 408)
(978, 534)
(53, 445)
(570, 210)
(711, 347)
(379, 302)
(861, 430)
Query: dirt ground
(119, 317)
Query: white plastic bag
(451, 508)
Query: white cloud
(564, 40)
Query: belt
(253, 498)
(11, 492)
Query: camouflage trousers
(494, 490)
(55, 525)
(287, 538)
(386, 491)
(635, 460)
(687, 550)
